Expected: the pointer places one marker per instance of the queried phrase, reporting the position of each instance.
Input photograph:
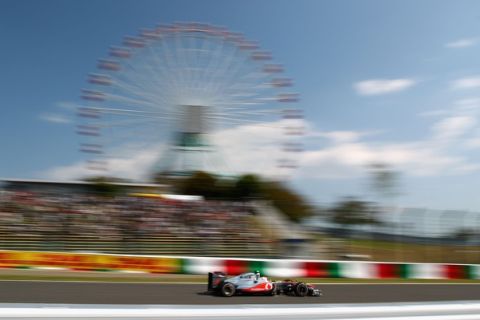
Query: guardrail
(269, 267)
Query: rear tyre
(274, 290)
(227, 289)
(301, 289)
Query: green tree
(384, 180)
(247, 187)
(200, 183)
(105, 186)
(292, 204)
(463, 234)
(351, 211)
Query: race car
(251, 283)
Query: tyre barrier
(202, 265)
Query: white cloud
(340, 136)
(132, 164)
(453, 127)
(67, 105)
(246, 148)
(468, 104)
(62, 116)
(344, 136)
(74, 171)
(256, 148)
(436, 154)
(462, 43)
(382, 86)
(473, 143)
(55, 118)
(347, 160)
(433, 113)
(466, 83)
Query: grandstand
(68, 216)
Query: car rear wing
(214, 280)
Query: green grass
(391, 251)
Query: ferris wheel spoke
(234, 73)
(120, 111)
(187, 60)
(210, 55)
(124, 123)
(218, 85)
(217, 63)
(148, 91)
(245, 84)
(155, 73)
(153, 66)
(168, 71)
(163, 72)
(253, 79)
(250, 121)
(133, 72)
(191, 61)
(135, 118)
(182, 60)
(266, 112)
(203, 54)
(138, 92)
(136, 76)
(223, 57)
(172, 61)
(131, 101)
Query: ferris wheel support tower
(190, 147)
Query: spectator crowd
(123, 219)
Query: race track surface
(191, 294)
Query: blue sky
(391, 81)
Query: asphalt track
(192, 294)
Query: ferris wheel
(193, 97)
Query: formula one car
(252, 283)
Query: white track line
(399, 312)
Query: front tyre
(227, 289)
(301, 289)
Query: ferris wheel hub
(194, 119)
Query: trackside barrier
(269, 267)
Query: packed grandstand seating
(129, 224)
